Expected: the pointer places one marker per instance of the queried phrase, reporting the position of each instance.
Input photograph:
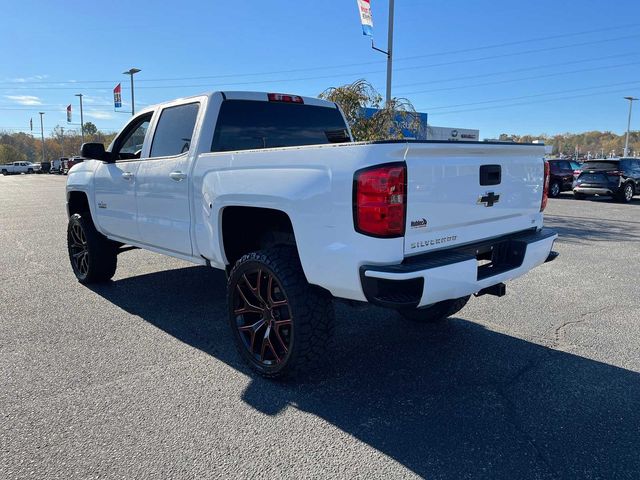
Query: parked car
(69, 163)
(19, 167)
(45, 167)
(618, 177)
(561, 176)
(57, 165)
(272, 189)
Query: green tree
(9, 153)
(90, 128)
(388, 122)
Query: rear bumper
(594, 190)
(436, 276)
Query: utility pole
(81, 118)
(626, 142)
(389, 52)
(131, 72)
(42, 134)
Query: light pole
(81, 118)
(626, 142)
(389, 52)
(42, 134)
(131, 72)
(62, 140)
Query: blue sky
(516, 67)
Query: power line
(517, 70)
(534, 77)
(535, 102)
(77, 84)
(557, 92)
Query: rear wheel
(437, 312)
(626, 195)
(554, 189)
(93, 256)
(281, 325)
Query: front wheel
(281, 325)
(93, 256)
(437, 312)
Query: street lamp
(81, 117)
(131, 72)
(626, 142)
(42, 134)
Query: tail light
(380, 200)
(282, 97)
(545, 190)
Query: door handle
(127, 175)
(177, 176)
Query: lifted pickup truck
(271, 188)
(17, 168)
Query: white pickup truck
(16, 168)
(271, 188)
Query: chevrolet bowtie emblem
(489, 200)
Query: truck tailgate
(464, 193)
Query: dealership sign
(364, 7)
(117, 96)
(68, 113)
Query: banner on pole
(117, 96)
(364, 7)
(68, 113)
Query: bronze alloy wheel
(263, 317)
(78, 249)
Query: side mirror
(95, 151)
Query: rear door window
(174, 131)
(248, 124)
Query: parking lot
(138, 378)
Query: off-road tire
(310, 311)
(99, 259)
(435, 313)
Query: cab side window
(129, 145)
(174, 131)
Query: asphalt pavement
(138, 378)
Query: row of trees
(393, 120)
(598, 143)
(15, 147)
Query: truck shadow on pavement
(578, 229)
(446, 401)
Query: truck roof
(241, 95)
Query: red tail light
(380, 200)
(281, 97)
(545, 190)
